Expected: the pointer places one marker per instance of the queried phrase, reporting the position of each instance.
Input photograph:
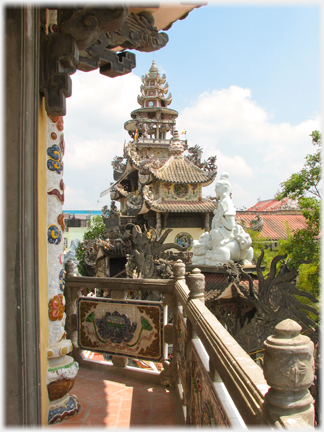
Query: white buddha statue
(226, 240)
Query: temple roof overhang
(163, 110)
(129, 168)
(178, 169)
(182, 206)
(164, 14)
(91, 37)
(167, 100)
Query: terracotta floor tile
(126, 404)
(164, 407)
(138, 423)
(86, 394)
(98, 409)
(99, 397)
(115, 410)
(111, 401)
(165, 421)
(142, 412)
(111, 421)
(94, 420)
(115, 390)
(123, 424)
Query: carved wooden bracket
(84, 39)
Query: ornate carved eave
(87, 39)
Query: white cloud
(94, 134)
(76, 199)
(257, 153)
(87, 154)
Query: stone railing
(216, 381)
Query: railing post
(289, 371)
(179, 270)
(69, 268)
(196, 285)
(168, 375)
(71, 297)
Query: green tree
(260, 243)
(95, 230)
(303, 245)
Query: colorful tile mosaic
(56, 308)
(206, 409)
(129, 328)
(54, 163)
(66, 410)
(59, 195)
(62, 280)
(60, 220)
(62, 370)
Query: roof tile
(183, 206)
(178, 169)
(275, 224)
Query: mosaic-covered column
(62, 369)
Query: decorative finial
(153, 67)
(176, 148)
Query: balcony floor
(117, 402)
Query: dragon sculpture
(148, 252)
(273, 299)
(195, 154)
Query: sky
(246, 82)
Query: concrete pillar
(62, 369)
(289, 371)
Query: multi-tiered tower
(154, 180)
(154, 120)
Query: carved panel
(129, 328)
(84, 39)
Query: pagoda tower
(154, 120)
(155, 183)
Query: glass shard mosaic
(130, 328)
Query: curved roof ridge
(179, 169)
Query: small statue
(226, 241)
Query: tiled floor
(117, 402)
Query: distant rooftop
(273, 205)
(82, 212)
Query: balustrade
(216, 380)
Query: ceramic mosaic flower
(197, 382)
(113, 326)
(56, 308)
(54, 235)
(54, 163)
